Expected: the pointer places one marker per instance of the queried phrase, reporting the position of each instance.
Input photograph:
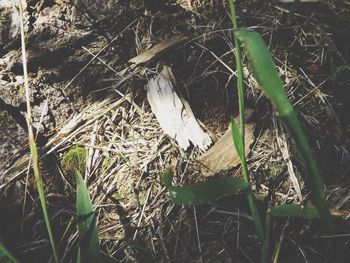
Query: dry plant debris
(127, 148)
(159, 49)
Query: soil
(78, 53)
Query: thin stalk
(265, 257)
(239, 70)
(252, 205)
(33, 148)
(278, 249)
(6, 255)
(251, 199)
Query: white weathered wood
(174, 113)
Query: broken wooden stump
(174, 113)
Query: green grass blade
(258, 223)
(88, 236)
(239, 69)
(31, 138)
(6, 256)
(266, 245)
(203, 192)
(79, 256)
(295, 210)
(237, 140)
(264, 69)
(236, 133)
(40, 186)
(267, 76)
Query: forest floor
(87, 93)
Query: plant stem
(252, 205)
(6, 254)
(239, 70)
(265, 257)
(33, 148)
(278, 249)
(251, 199)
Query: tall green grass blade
(79, 255)
(264, 69)
(6, 256)
(295, 210)
(89, 247)
(265, 252)
(203, 192)
(239, 69)
(239, 142)
(32, 143)
(256, 215)
(40, 186)
(267, 76)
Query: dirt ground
(80, 75)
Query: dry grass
(127, 150)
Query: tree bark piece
(174, 113)
(223, 155)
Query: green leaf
(204, 192)
(6, 256)
(295, 210)
(88, 236)
(264, 69)
(265, 72)
(237, 140)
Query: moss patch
(74, 159)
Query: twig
(197, 231)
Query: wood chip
(174, 113)
(223, 155)
(159, 49)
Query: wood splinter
(174, 113)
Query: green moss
(74, 159)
